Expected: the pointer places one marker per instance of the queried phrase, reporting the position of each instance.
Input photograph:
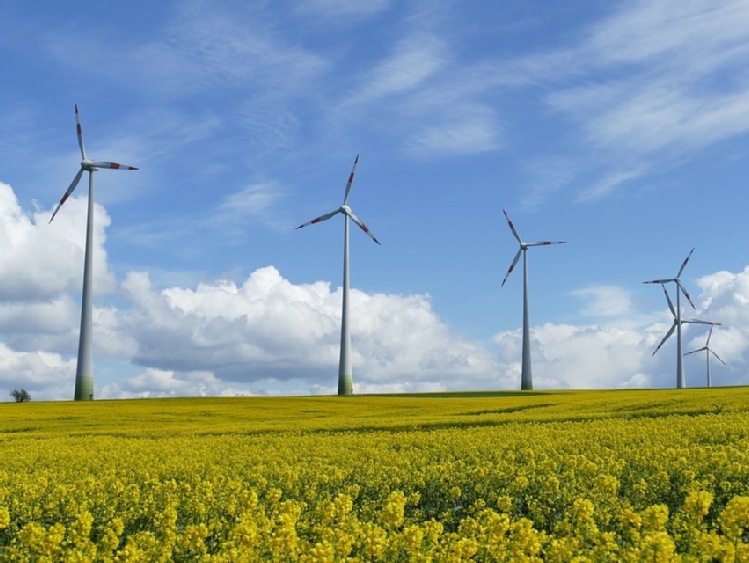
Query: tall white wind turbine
(677, 316)
(706, 348)
(84, 374)
(345, 378)
(526, 377)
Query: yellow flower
(4, 517)
(734, 521)
(697, 503)
(392, 512)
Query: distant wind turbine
(677, 316)
(345, 378)
(706, 348)
(84, 374)
(526, 377)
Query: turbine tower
(526, 377)
(84, 373)
(677, 316)
(706, 348)
(345, 378)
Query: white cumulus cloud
(266, 334)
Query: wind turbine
(344, 365)
(706, 348)
(526, 377)
(84, 373)
(677, 316)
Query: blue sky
(621, 128)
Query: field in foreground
(599, 475)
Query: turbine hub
(346, 209)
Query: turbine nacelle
(709, 351)
(676, 311)
(344, 209)
(706, 348)
(87, 165)
(676, 280)
(524, 246)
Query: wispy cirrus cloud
(411, 62)
(463, 135)
(253, 202)
(672, 84)
(243, 46)
(236, 213)
(199, 46)
(434, 105)
(695, 35)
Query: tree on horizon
(21, 396)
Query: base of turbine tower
(526, 381)
(345, 386)
(84, 388)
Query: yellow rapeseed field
(535, 476)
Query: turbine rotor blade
(684, 264)
(545, 242)
(668, 335)
(684, 291)
(320, 218)
(668, 299)
(111, 165)
(362, 226)
(350, 180)
(709, 336)
(661, 281)
(79, 131)
(66, 195)
(512, 227)
(694, 351)
(512, 266)
(696, 322)
(717, 356)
